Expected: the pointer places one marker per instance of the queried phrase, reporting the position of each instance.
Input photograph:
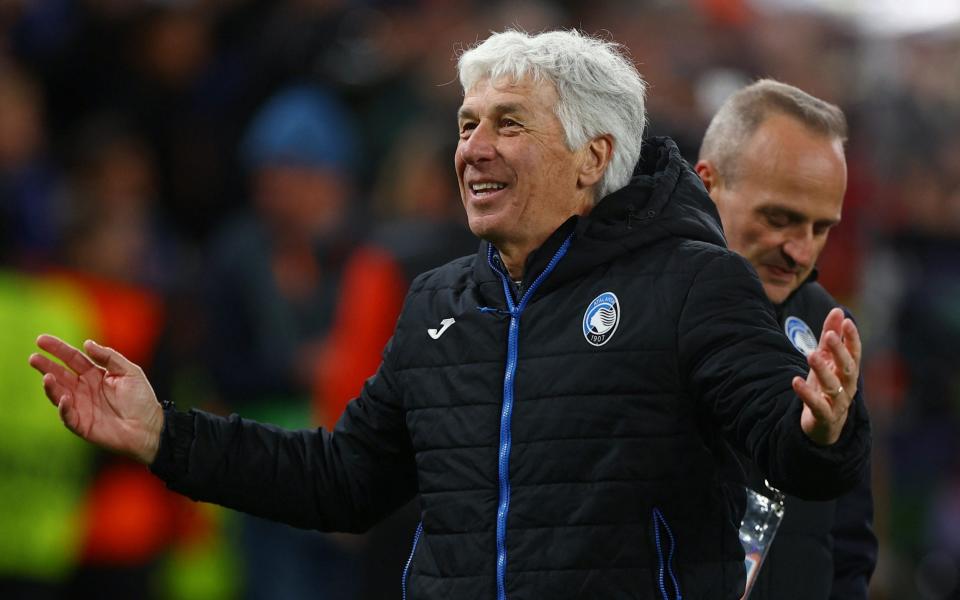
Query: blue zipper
(659, 519)
(506, 411)
(406, 568)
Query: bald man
(773, 162)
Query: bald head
(743, 113)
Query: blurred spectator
(275, 269)
(190, 97)
(29, 182)
(114, 229)
(273, 280)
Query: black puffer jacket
(565, 443)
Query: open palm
(831, 384)
(101, 396)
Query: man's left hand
(831, 383)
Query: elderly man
(772, 160)
(565, 401)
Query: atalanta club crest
(601, 319)
(800, 335)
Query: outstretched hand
(101, 396)
(831, 383)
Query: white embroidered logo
(444, 325)
(601, 319)
(800, 335)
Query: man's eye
(777, 220)
(466, 128)
(822, 229)
(509, 123)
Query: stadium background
(149, 151)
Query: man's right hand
(102, 397)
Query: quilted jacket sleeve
(739, 368)
(346, 480)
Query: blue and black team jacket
(566, 436)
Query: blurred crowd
(236, 193)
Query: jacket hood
(664, 198)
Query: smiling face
(787, 195)
(518, 180)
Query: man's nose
(481, 145)
(800, 247)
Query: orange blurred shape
(130, 514)
(129, 317)
(370, 299)
(131, 517)
(730, 13)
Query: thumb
(111, 360)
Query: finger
(108, 358)
(814, 399)
(68, 414)
(833, 322)
(69, 355)
(53, 389)
(823, 369)
(45, 365)
(851, 339)
(848, 369)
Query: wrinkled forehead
(527, 91)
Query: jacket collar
(664, 198)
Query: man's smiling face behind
(785, 197)
(518, 179)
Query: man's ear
(708, 174)
(596, 159)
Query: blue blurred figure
(273, 280)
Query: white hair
(599, 89)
